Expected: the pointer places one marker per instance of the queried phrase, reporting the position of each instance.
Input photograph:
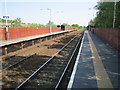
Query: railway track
(50, 74)
(15, 59)
(47, 69)
(7, 49)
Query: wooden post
(33, 43)
(6, 52)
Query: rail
(50, 59)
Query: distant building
(24, 25)
(12, 25)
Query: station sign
(6, 17)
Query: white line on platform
(17, 40)
(75, 66)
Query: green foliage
(3, 21)
(35, 25)
(76, 26)
(117, 23)
(66, 25)
(52, 24)
(16, 22)
(105, 15)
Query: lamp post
(49, 20)
(114, 13)
(58, 12)
(93, 17)
(7, 34)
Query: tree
(66, 25)
(52, 24)
(75, 25)
(117, 23)
(105, 15)
(17, 22)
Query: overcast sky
(62, 11)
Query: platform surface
(96, 65)
(17, 40)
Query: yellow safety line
(103, 80)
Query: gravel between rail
(42, 52)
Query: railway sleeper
(60, 63)
(45, 82)
(55, 68)
(49, 72)
(47, 76)
(41, 84)
(56, 65)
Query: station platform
(96, 65)
(17, 40)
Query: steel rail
(56, 87)
(8, 57)
(25, 81)
(19, 52)
(64, 32)
(23, 58)
(18, 62)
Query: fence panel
(111, 36)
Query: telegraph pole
(7, 34)
(114, 13)
(49, 20)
